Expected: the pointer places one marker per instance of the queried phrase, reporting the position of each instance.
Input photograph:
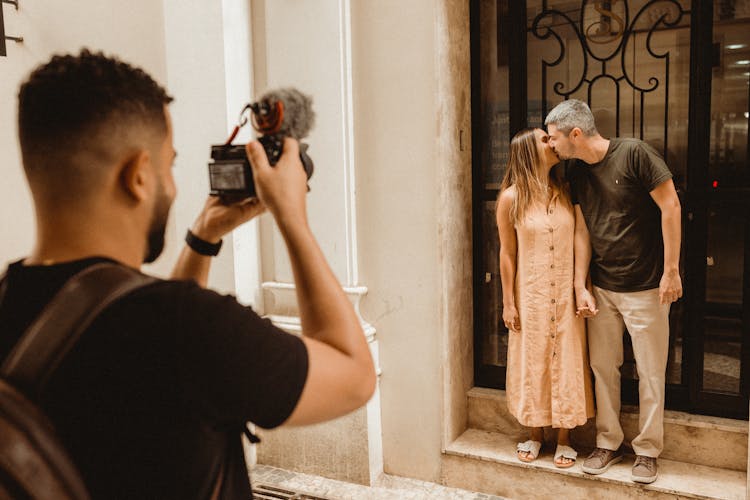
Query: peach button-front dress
(548, 381)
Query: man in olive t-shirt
(627, 207)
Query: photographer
(152, 400)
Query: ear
(135, 175)
(575, 133)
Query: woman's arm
(508, 250)
(585, 302)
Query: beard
(158, 227)
(570, 154)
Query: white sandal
(563, 451)
(531, 447)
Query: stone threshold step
(487, 457)
(687, 437)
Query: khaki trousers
(647, 322)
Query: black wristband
(202, 247)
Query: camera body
(278, 114)
(229, 171)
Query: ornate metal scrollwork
(610, 27)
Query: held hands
(585, 303)
(511, 318)
(218, 218)
(670, 287)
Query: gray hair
(571, 114)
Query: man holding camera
(153, 398)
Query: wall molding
(280, 300)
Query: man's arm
(341, 375)
(215, 221)
(585, 302)
(665, 196)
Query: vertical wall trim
(347, 126)
(238, 81)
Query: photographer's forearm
(216, 220)
(192, 266)
(325, 312)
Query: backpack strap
(55, 331)
(3, 286)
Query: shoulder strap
(3, 286)
(56, 330)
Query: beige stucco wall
(454, 214)
(133, 30)
(179, 44)
(396, 127)
(412, 204)
(203, 113)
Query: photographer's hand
(215, 221)
(283, 187)
(219, 218)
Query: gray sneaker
(644, 469)
(600, 460)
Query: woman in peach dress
(548, 381)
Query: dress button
(553, 335)
(552, 319)
(552, 284)
(550, 230)
(553, 301)
(551, 248)
(552, 266)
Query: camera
(278, 114)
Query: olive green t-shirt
(623, 220)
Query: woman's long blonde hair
(523, 172)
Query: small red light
(715, 184)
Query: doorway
(675, 74)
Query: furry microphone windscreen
(299, 117)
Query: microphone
(285, 111)
(280, 113)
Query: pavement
(386, 488)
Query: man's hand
(511, 319)
(218, 218)
(670, 287)
(585, 303)
(283, 187)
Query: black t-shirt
(152, 400)
(623, 220)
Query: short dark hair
(84, 104)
